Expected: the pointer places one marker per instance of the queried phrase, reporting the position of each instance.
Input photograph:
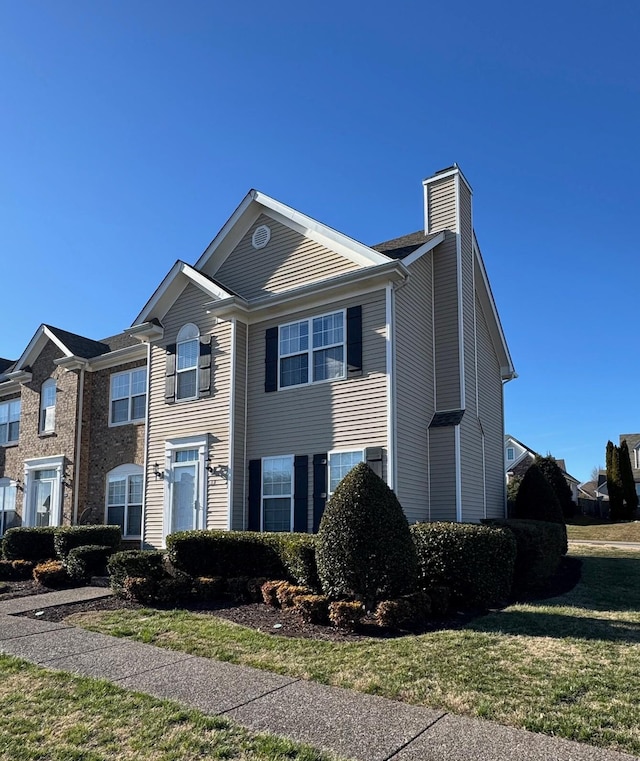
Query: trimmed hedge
(16, 570)
(475, 562)
(87, 560)
(68, 537)
(33, 544)
(540, 545)
(232, 554)
(52, 574)
(141, 564)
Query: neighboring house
(288, 353)
(633, 442)
(518, 457)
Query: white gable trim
(172, 286)
(256, 203)
(37, 344)
(424, 249)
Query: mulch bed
(286, 623)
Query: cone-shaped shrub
(364, 548)
(537, 501)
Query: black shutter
(374, 459)
(300, 492)
(255, 489)
(319, 488)
(271, 360)
(170, 375)
(354, 341)
(204, 367)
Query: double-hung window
(124, 499)
(277, 493)
(8, 515)
(48, 406)
(511, 454)
(340, 463)
(187, 353)
(9, 421)
(312, 350)
(128, 396)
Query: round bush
(364, 548)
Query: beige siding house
(290, 352)
(253, 381)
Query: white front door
(43, 479)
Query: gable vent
(261, 236)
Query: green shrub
(439, 600)
(313, 609)
(87, 560)
(297, 553)
(536, 499)
(52, 573)
(540, 546)
(208, 588)
(153, 591)
(237, 588)
(554, 475)
(364, 548)
(287, 592)
(68, 537)
(33, 544)
(404, 612)
(141, 564)
(346, 615)
(475, 562)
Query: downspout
(76, 469)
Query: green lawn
(599, 530)
(566, 666)
(58, 717)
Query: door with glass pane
(184, 490)
(43, 497)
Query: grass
(566, 666)
(59, 717)
(587, 528)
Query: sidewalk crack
(413, 739)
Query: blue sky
(131, 130)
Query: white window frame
(7, 483)
(187, 334)
(11, 419)
(31, 467)
(124, 472)
(129, 397)
(48, 411)
(513, 454)
(201, 443)
(311, 349)
(291, 458)
(637, 456)
(358, 450)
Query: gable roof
(6, 364)
(70, 344)
(528, 451)
(398, 248)
(256, 203)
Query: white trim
(484, 473)
(232, 423)
(429, 474)
(345, 450)
(425, 190)
(201, 443)
(389, 361)
(35, 346)
(145, 479)
(30, 467)
(130, 420)
(43, 416)
(193, 368)
(459, 285)
(458, 451)
(455, 169)
(78, 458)
(276, 496)
(424, 249)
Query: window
(124, 499)
(9, 421)
(48, 406)
(636, 452)
(312, 350)
(340, 463)
(187, 353)
(8, 516)
(277, 493)
(510, 453)
(128, 396)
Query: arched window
(187, 353)
(124, 500)
(48, 406)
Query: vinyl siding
(307, 420)
(189, 418)
(238, 468)
(441, 204)
(445, 299)
(414, 387)
(491, 415)
(442, 474)
(289, 260)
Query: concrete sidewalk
(351, 724)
